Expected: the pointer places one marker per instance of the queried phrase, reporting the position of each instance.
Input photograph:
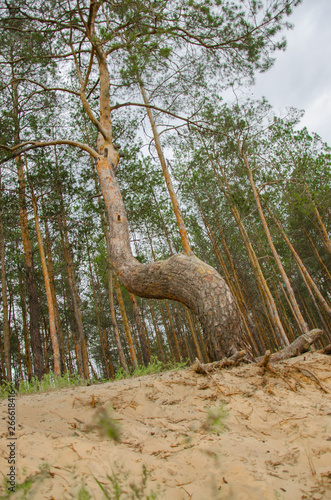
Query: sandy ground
(242, 434)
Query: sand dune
(244, 434)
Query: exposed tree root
(326, 350)
(299, 346)
(310, 374)
(234, 360)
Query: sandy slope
(277, 444)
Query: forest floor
(244, 433)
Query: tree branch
(21, 148)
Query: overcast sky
(301, 76)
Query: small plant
(25, 487)
(214, 422)
(120, 488)
(121, 374)
(83, 494)
(106, 425)
(155, 366)
(5, 389)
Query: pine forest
(150, 212)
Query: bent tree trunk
(184, 278)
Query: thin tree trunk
(105, 333)
(34, 309)
(312, 244)
(184, 347)
(25, 328)
(302, 268)
(58, 324)
(168, 333)
(126, 325)
(102, 343)
(114, 321)
(81, 351)
(325, 235)
(19, 357)
(159, 338)
(64, 294)
(261, 281)
(45, 344)
(301, 322)
(51, 312)
(36, 339)
(194, 335)
(141, 329)
(171, 190)
(6, 325)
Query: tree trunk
(34, 309)
(96, 308)
(260, 279)
(81, 351)
(58, 324)
(159, 338)
(296, 310)
(182, 277)
(51, 312)
(127, 329)
(166, 175)
(36, 339)
(141, 329)
(25, 327)
(6, 326)
(302, 268)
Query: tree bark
(302, 268)
(296, 310)
(25, 327)
(58, 324)
(51, 311)
(182, 277)
(166, 175)
(6, 326)
(80, 347)
(141, 329)
(260, 279)
(299, 346)
(34, 309)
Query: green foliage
(23, 490)
(47, 383)
(120, 487)
(215, 421)
(106, 425)
(83, 494)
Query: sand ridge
(273, 440)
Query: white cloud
(301, 76)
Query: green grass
(51, 381)
(121, 488)
(215, 421)
(23, 490)
(48, 382)
(155, 366)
